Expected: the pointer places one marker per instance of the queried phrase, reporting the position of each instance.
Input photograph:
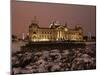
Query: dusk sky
(23, 13)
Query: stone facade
(55, 32)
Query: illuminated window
(66, 29)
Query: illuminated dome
(54, 24)
(78, 27)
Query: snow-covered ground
(53, 60)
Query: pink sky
(23, 13)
